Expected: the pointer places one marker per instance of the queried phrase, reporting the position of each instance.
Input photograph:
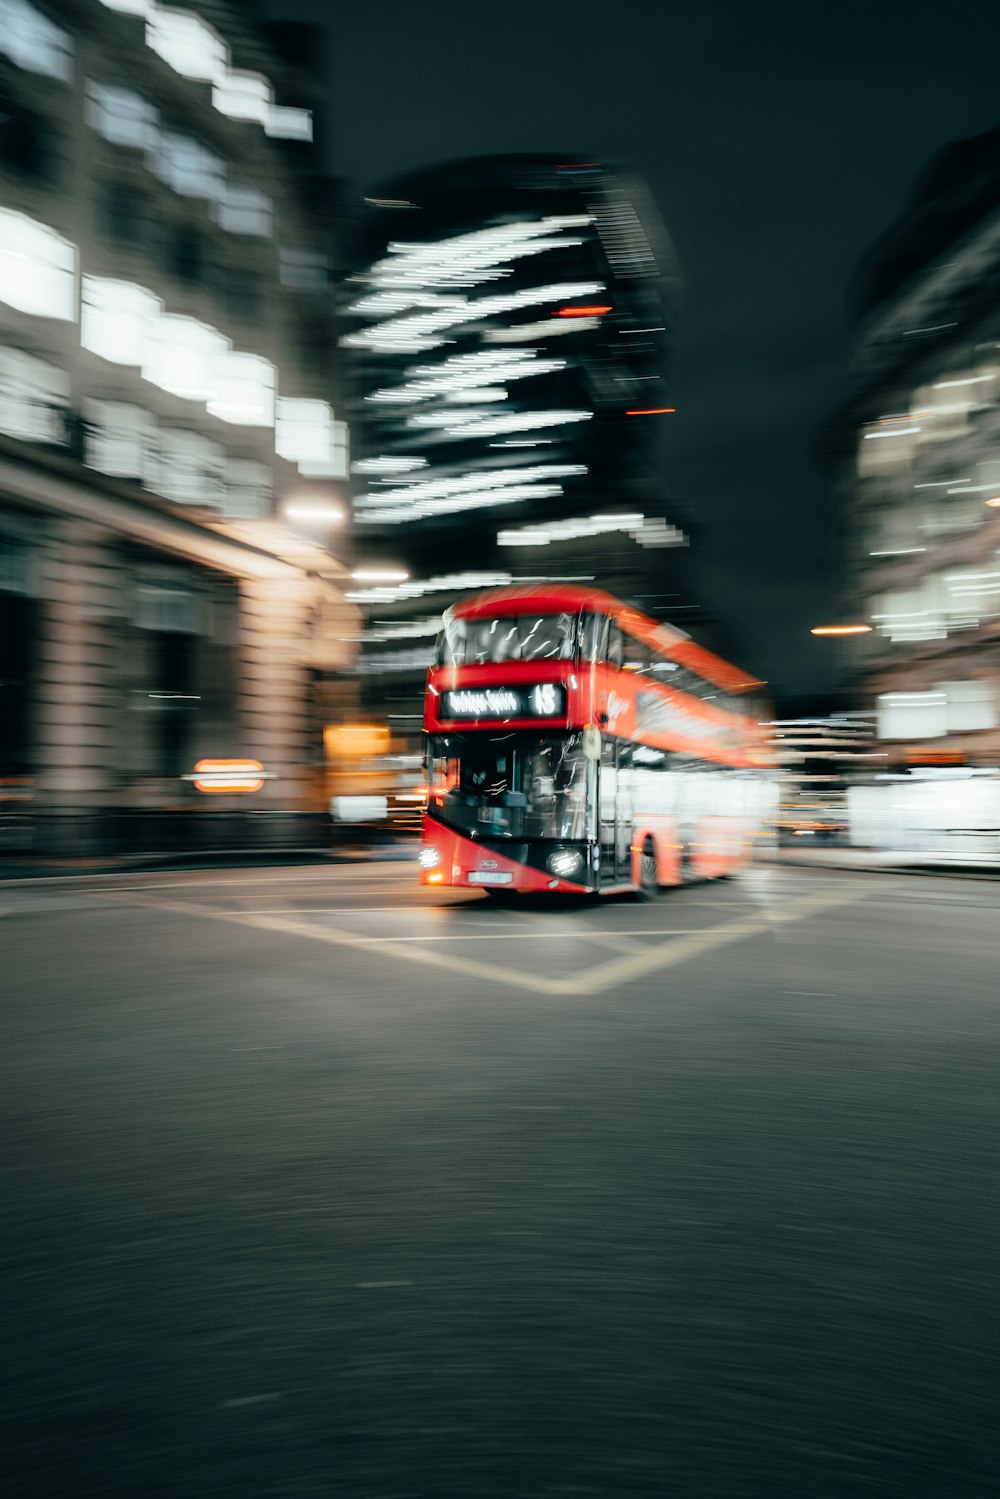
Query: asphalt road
(318, 1184)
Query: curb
(935, 871)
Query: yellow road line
(684, 949)
(595, 980)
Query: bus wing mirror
(592, 742)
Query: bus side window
(616, 646)
(636, 654)
(593, 637)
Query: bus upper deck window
(616, 646)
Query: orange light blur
(652, 411)
(582, 311)
(935, 757)
(435, 879)
(355, 741)
(994, 502)
(218, 777)
(841, 630)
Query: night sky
(778, 140)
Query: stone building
(173, 517)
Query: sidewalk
(885, 861)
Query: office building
(918, 468)
(510, 324)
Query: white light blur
(510, 495)
(422, 330)
(192, 48)
(553, 328)
(896, 432)
(486, 395)
(312, 512)
(37, 268)
(303, 430)
(181, 356)
(648, 532)
(380, 575)
(34, 397)
(387, 465)
(516, 421)
(433, 489)
(407, 629)
(243, 390)
(467, 372)
(33, 42)
(417, 588)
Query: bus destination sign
(545, 700)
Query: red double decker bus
(575, 745)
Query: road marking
(595, 980)
(670, 954)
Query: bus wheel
(649, 885)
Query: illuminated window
(121, 116)
(245, 210)
(188, 167)
(912, 715)
(912, 614)
(34, 397)
(249, 489)
(190, 46)
(972, 594)
(121, 439)
(116, 318)
(289, 124)
(971, 706)
(182, 356)
(243, 391)
(887, 446)
(37, 267)
(189, 469)
(33, 42)
(186, 43)
(307, 434)
(303, 270)
(243, 96)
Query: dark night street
(320, 1184)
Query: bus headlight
(565, 862)
(429, 858)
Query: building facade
(818, 758)
(918, 467)
(172, 470)
(510, 325)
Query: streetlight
(380, 575)
(313, 512)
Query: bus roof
(556, 598)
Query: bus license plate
(488, 877)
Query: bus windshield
(510, 785)
(547, 637)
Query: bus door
(615, 813)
